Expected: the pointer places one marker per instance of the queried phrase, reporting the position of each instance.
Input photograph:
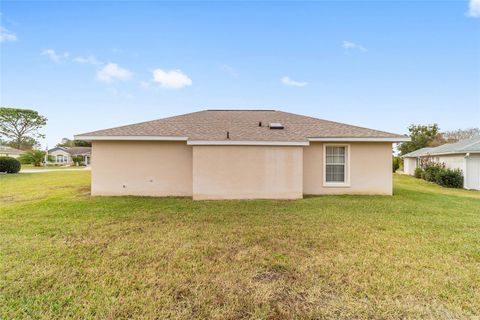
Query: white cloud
(474, 8)
(55, 57)
(87, 60)
(173, 79)
(348, 45)
(111, 72)
(6, 35)
(290, 82)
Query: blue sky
(382, 65)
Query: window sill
(336, 185)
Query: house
(411, 161)
(64, 155)
(6, 151)
(463, 155)
(241, 154)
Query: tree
(27, 144)
(438, 140)
(74, 143)
(34, 157)
(421, 135)
(396, 162)
(20, 126)
(461, 134)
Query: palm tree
(34, 157)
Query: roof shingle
(242, 125)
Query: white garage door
(472, 180)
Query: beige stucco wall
(370, 169)
(247, 172)
(409, 165)
(147, 168)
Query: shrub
(449, 178)
(34, 157)
(9, 165)
(77, 160)
(431, 169)
(396, 164)
(418, 173)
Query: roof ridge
(272, 110)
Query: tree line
(430, 136)
(19, 129)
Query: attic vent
(275, 125)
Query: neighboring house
(6, 151)
(64, 155)
(463, 155)
(411, 160)
(241, 154)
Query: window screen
(335, 164)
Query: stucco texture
(370, 169)
(159, 168)
(246, 172)
(147, 168)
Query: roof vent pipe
(260, 124)
(228, 135)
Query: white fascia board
(246, 143)
(451, 153)
(356, 139)
(130, 138)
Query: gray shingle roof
(464, 146)
(417, 153)
(74, 151)
(243, 125)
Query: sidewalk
(50, 170)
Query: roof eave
(450, 153)
(129, 138)
(239, 142)
(245, 143)
(361, 139)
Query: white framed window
(61, 158)
(336, 165)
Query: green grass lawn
(64, 254)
